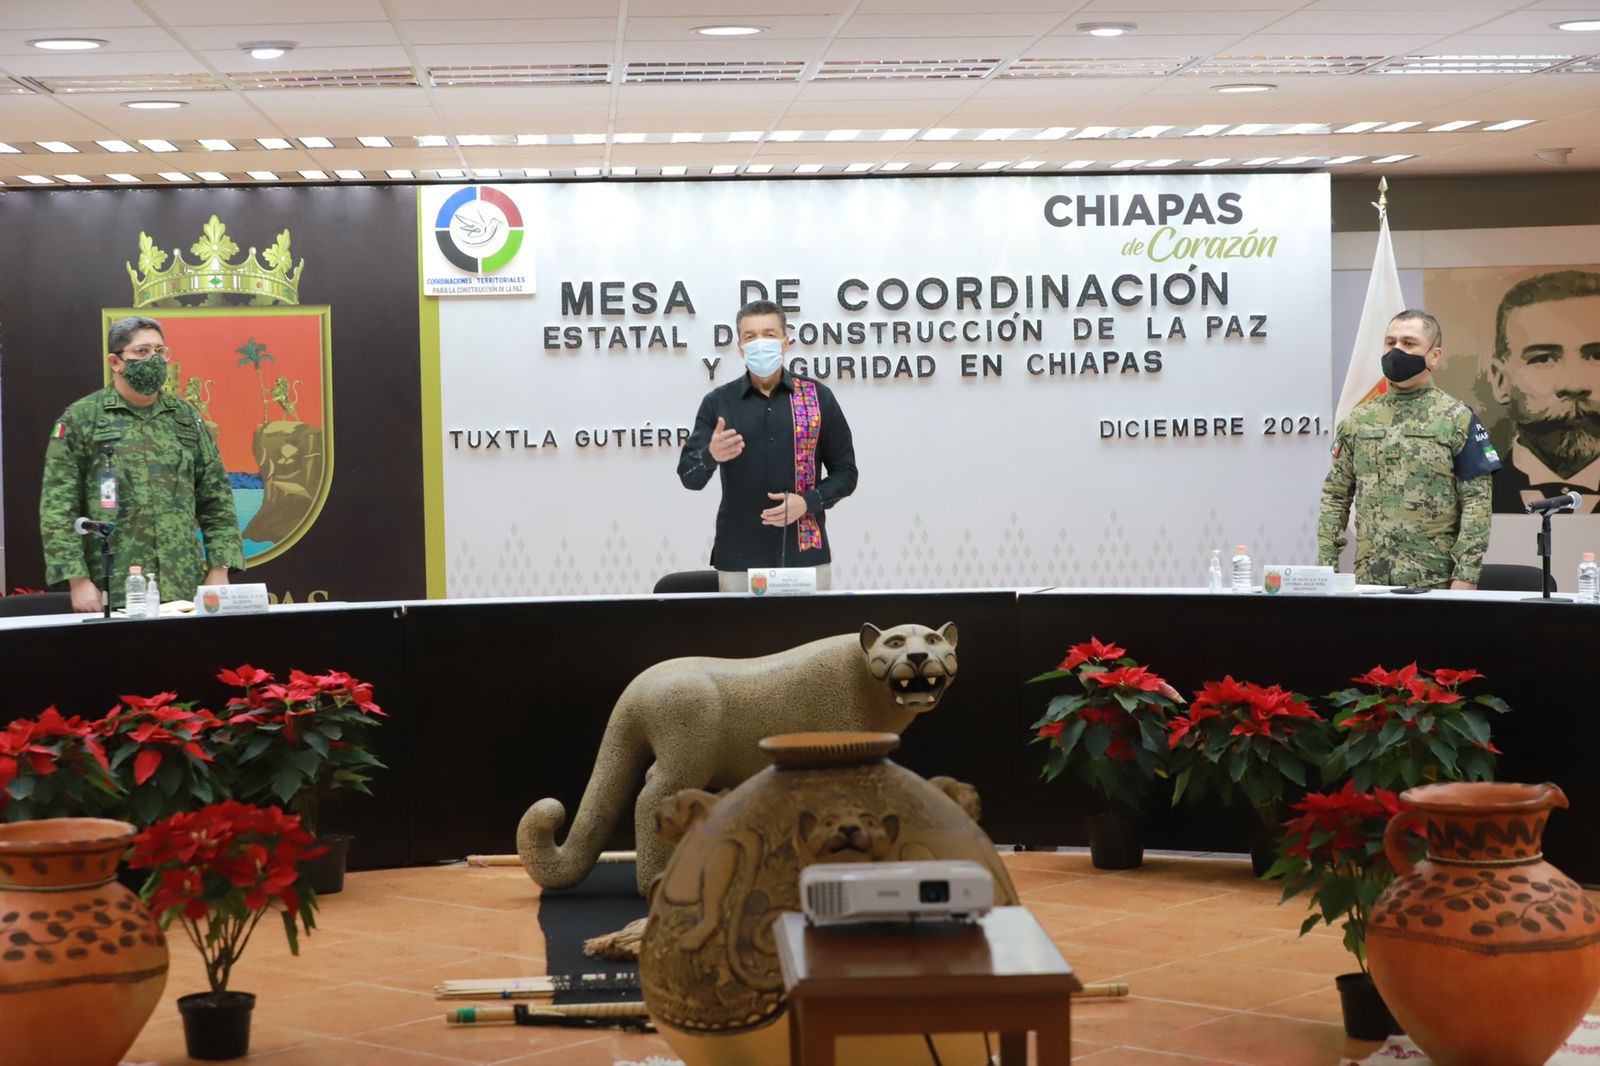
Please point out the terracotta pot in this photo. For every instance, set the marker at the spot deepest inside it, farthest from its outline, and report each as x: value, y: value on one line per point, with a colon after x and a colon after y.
x: 1486, y: 954
x: 82, y: 964
x: 708, y: 963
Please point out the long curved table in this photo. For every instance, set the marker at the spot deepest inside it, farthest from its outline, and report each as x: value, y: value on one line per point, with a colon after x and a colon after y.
x: 496, y: 703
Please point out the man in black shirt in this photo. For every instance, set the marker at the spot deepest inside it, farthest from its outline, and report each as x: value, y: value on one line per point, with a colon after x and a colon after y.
x: 770, y: 434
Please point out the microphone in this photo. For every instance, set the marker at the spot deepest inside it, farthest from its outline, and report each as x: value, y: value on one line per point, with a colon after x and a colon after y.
x: 84, y: 526
x: 1556, y: 504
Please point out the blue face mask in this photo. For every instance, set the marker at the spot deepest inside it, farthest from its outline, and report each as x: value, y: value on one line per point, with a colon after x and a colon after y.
x: 763, y: 356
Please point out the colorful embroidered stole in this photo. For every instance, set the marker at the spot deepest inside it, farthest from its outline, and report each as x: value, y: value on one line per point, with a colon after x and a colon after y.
x: 807, y: 428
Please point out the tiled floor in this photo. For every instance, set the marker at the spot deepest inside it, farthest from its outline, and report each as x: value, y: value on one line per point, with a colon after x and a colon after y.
x: 1216, y: 971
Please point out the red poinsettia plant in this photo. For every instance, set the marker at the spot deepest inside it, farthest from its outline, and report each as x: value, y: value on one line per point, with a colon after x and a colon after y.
x: 162, y: 753
x: 1238, y: 736
x: 300, y: 740
x: 1408, y: 726
x: 1113, y: 729
x: 51, y: 766
x: 1333, y: 850
x: 219, y: 870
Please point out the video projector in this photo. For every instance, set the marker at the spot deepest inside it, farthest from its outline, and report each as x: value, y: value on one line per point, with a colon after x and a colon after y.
x: 938, y: 890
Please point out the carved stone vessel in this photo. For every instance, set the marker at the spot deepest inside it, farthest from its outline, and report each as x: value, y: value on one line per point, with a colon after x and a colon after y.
x: 82, y: 963
x: 1486, y: 954
x: 708, y: 962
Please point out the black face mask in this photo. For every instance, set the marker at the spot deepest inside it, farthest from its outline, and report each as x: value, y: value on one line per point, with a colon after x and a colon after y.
x: 1402, y: 366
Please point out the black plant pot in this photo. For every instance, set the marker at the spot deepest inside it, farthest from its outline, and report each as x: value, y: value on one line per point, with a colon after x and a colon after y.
x: 1366, y: 1015
x: 1263, y: 845
x: 326, y: 871
x: 217, y: 1026
x: 1115, y: 842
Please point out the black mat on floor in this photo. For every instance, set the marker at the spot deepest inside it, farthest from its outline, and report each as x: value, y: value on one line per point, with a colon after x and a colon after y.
x: 606, y: 901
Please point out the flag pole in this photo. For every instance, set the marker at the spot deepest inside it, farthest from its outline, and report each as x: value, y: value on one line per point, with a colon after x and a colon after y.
x: 1383, y: 198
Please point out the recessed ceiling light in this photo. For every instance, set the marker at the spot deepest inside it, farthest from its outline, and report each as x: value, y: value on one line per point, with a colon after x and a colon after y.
x: 588, y: 138
x: 898, y: 134
x: 785, y: 135
x: 36, y: 179
x: 116, y: 146
x: 1217, y: 162
x: 1244, y: 87
x: 1300, y: 128
x: 744, y: 136
x: 1079, y: 164
x: 536, y: 172
x: 1091, y: 132
x: 841, y: 135
x: 1358, y: 127
x: 853, y: 168
x: 433, y: 140
x: 6, y: 149
x: 1054, y: 133
x: 1510, y: 124
x: 638, y: 138
x: 1295, y: 160
x: 374, y: 142
x: 452, y: 174
x: 626, y: 172
x: 314, y: 175
x: 994, y: 164
x: 262, y: 175
x: 686, y: 138
x: 1451, y: 127
x: 674, y: 172
x: 1396, y: 127
x: 73, y: 179
x: 1341, y: 160
x: 175, y: 175
x: 216, y: 144
x: 480, y: 172
x: 154, y: 105
x: 1126, y: 164
x: 1161, y: 163
x: 1106, y: 29
x: 808, y: 168
x: 525, y: 139
x: 1260, y: 160
x: 267, y: 49
x: 273, y: 144
x: 315, y: 142
x: 59, y: 147
x: 1150, y: 131
x: 728, y: 31
x: 892, y: 168
x: 211, y: 175
x: 402, y: 175
x: 474, y: 140
x: 1575, y: 26
x: 995, y: 134
x: 349, y: 175
x: 939, y: 133
x: 1032, y: 164
x: 69, y: 44
x: 156, y: 144
x: 764, y: 168
x: 1210, y: 129
x: 728, y: 168
x: 587, y: 172
x: 944, y: 166
x: 1246, y: 129
x: 125, y: 179
x: 1393, y: 158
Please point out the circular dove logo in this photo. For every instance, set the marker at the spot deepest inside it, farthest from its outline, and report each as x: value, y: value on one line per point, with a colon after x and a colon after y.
x: 479, y: 229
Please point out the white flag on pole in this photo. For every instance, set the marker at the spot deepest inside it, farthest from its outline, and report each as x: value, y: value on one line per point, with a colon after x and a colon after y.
x: 1364, y: 379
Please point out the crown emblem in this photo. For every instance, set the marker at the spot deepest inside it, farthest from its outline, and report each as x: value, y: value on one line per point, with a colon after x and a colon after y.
x: 215, y: 275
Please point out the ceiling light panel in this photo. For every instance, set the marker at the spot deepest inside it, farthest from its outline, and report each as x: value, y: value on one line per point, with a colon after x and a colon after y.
x: 766, y: 168
x: 1451, y: 127
x: 321, y: 175
x: 1393, y: 158
x: 489, y: 77
x: 211, y: 175
x: 216, y: 144
x: 402, y: 175
x: 713, y: 70
x: 175, y: 176
x: 1097, y: 67
x: 1510, y: 124
x: 315, y: 142
x: 356, y: 78
x: 123, y: 179
x: 130, y: 83
x: 157, y: 144
x: 899, y: 69
x: 73, y: 179
x: 1581, y: 65
x: 1454, y: 64
x: 273, y: 144
x: 262, y: 175
x: 58, y: 147
x: 116, y: 146
x: 374, y: 142
x: 1253, y: 66
x: 8, y: 149
x: 36, y: 179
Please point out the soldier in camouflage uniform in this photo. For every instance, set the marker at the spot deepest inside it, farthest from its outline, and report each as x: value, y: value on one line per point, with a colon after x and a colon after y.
x: 1414, y: 460
x: 169, y: 481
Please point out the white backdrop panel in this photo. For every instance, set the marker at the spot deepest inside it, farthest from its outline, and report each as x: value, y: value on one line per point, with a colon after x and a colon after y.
x: 966, y: 480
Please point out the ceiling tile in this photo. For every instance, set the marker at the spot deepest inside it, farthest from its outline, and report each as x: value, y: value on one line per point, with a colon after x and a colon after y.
x: 180, y: 13
x: 973, y: 26
x: 509, y: 31
x: 465, y: 10
x: 317, y: 35
x: 71, y: 17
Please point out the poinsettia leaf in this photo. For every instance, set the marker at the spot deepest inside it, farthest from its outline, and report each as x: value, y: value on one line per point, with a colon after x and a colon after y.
x: 1391, y: 732
x: 1362, y: 777
x: 1154, y: 734
x: 1310, y: 924
x: 1477, y: 726
x: 1444, y: 753
x: 285, y: 783
x: 1096, y: 739
x: 1293, y: 769
x: 1070, y: 737
x: 1238, y: 763
x: 331, y: 729
x: 308, y: 762
x: 22, y: 787
x: 1338, y: 895
x: 258, y: 744
x: 1494, y: 703
x: 1050, y: 675
x: 1129, y: 700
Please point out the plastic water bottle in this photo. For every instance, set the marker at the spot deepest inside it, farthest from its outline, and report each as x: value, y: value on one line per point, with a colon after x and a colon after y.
x: 1241, y: 569
x: 1588, y: 580
x: 133, y: 605
x: 1214, y: 571
x: 152, y: 597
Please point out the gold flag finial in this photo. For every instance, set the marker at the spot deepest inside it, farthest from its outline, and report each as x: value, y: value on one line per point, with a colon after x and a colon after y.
x: 1383, y: 198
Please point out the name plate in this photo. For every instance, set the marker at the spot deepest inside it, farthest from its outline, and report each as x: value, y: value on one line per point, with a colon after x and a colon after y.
x: 782, y: 581
x: 210, y: 600
x: 1279, y: 580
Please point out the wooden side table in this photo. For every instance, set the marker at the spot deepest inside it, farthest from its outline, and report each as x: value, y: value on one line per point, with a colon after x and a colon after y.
x: 1001, y: 974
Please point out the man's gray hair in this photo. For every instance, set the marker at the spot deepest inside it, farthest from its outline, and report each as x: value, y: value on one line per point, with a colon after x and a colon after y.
x: 123, y: 329
x: 1435, y: 331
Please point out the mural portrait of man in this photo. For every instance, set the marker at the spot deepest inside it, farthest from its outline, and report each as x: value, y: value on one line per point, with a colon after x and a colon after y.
x: 1546, y: 373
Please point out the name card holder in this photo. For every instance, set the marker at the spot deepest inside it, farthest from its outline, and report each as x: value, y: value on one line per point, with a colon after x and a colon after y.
x: 782, y: 580
x: 213, y: 600
x: 1279, y: 580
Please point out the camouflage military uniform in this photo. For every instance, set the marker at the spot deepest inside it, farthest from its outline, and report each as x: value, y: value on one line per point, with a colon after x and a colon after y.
x: 170, y: 481
x: 1414, y: 462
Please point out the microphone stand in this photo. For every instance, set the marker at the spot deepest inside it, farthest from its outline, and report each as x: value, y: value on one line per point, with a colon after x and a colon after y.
x: 107, y: 566
x: 1544, y: 554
